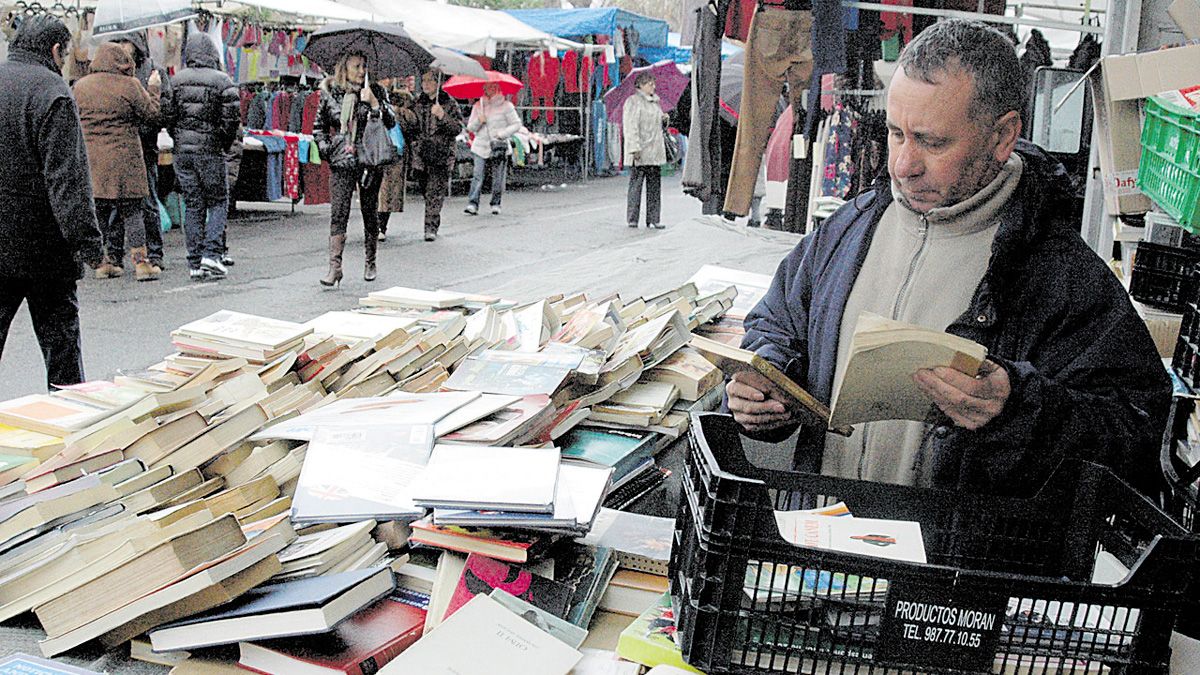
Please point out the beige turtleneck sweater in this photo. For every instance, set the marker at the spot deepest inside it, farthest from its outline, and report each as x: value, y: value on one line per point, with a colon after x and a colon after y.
x: 920, y: 269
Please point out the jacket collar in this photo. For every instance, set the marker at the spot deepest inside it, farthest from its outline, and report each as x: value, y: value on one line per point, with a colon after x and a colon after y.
x: 1037, y: 211
x: 22, y: 56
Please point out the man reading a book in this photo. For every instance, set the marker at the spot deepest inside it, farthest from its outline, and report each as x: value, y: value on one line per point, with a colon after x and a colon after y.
x: 974, y: 234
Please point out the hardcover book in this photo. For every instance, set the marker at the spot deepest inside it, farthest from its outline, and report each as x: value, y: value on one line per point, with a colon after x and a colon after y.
x: 360, y: 645
x: 358, y: 473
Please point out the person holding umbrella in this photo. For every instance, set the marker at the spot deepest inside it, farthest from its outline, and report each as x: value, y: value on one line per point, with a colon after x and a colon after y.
x: 347, y: 101
x: 438, y: 124
x: 493, y: 121
x: 645, y: 150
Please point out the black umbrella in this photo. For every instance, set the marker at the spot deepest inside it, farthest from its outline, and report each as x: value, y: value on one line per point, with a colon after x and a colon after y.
x: 389, y: 49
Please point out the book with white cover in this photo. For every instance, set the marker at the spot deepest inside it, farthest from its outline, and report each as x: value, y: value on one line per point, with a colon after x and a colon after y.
x: 484, y: 637
x: 485, y: 477
x: 244, y: 329
x: 581, y: 489
x: 357, y: 325
x: 415, y: 297
x: 485, y: 405
x: 355, y: 473
x: 391, y: 410
x: 892, y: 539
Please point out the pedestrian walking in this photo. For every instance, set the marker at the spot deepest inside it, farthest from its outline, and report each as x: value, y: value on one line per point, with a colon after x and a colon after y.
x: 135, y: 45
x: 493, y: 121
x: 393, y: 188
x: 47, y: 219
x: 645, y: 151
x: 439, y: 121
x: 204, y: 123
x: 346, y: 102
x: 113, y: 106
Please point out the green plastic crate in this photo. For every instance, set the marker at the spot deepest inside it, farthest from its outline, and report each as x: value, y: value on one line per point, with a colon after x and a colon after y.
x: 1170, y: 169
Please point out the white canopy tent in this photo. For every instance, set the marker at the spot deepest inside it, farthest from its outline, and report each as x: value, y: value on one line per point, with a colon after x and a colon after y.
x: 465, y: 29
x: 316, y: 9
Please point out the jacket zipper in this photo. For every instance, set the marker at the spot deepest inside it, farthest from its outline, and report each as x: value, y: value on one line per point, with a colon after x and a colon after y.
x: 912, y: 268
x: 908, y: 277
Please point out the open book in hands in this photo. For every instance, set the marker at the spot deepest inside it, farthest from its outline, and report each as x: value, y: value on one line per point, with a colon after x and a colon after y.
x: 733, y: 360
x: 877, y: 383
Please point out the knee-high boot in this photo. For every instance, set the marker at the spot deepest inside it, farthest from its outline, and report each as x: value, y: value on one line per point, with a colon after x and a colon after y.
x: 370, y: 244
x: 337, y: 243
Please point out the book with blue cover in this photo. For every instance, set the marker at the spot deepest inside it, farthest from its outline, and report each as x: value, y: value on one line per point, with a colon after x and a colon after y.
x: 623, y: 451
x: 24, y: 664
x: 303, y: 607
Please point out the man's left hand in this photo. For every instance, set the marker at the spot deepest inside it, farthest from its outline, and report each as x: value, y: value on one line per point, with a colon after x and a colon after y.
x: 970, y: 402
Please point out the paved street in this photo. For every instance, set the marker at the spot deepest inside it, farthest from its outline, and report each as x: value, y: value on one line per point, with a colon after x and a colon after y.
x: 564, y: 239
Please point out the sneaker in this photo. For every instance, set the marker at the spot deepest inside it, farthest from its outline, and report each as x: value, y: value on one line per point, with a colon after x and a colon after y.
x: 213, y: 266
x: 495, y: 210
x: 471, y: 210
x: 382, y: 235
x: 226, y: 261
x: 198, y: 274
x: 657, y: 226
x: 633, y: 225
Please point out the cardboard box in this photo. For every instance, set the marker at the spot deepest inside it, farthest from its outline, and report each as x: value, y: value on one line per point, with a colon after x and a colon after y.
x: 1186, y: 15
x: 1117, y: 87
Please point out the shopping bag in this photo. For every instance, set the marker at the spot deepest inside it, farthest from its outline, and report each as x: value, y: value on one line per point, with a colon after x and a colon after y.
x: 397, y: 137
x: 375, y: 147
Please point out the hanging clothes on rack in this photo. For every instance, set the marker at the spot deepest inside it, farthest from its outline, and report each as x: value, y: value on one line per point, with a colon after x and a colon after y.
x: 542, y: 76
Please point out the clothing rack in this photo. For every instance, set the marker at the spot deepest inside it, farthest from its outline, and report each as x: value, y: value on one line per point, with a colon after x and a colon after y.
x: 585, y: 100
x: 975, y: 16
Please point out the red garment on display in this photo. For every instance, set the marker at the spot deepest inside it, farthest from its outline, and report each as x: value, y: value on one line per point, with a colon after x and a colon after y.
x: 737, y: 20
x: 246, y: 97
x: 542, y: 75
x: 291, y: 165
x: 897, y: 22
x: 309, y: 118
x: 570, y: 72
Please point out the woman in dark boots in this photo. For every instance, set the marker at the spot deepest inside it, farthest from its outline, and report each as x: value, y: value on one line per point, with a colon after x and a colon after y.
x: 345, y: 105
x: 439, y: 122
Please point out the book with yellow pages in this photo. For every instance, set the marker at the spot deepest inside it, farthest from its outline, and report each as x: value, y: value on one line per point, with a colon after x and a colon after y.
x: 877, y: 383
x: 733, y: 360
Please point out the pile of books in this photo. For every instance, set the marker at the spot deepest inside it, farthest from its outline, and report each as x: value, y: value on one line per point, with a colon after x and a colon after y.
x: 331, y: 492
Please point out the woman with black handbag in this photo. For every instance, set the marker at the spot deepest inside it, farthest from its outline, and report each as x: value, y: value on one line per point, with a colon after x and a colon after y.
x: 493, y: 121
x: 350, y: 112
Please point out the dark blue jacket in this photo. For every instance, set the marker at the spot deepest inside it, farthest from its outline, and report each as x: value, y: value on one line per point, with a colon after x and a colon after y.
x: 1086, y: 377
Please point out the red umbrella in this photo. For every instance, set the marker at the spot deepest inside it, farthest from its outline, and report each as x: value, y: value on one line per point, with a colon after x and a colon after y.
x: 466, y: 86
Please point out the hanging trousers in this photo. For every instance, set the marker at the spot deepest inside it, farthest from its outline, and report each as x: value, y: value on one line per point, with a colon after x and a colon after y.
x: 777, y: 52
x: 121, y: 224
x: 54, y: 309
x: 652, y: 177
x: 702, y: 166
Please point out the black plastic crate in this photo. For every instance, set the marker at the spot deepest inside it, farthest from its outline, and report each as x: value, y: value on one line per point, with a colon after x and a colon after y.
x: 1163, y: 276
x: 1021, y: 567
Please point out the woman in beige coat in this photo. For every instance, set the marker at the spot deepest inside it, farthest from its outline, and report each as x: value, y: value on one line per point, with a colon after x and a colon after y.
x: 112, y: 107
x: 645, y: 151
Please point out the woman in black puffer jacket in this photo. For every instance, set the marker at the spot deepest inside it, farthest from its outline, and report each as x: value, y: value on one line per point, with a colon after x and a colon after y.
x: 345, y: 105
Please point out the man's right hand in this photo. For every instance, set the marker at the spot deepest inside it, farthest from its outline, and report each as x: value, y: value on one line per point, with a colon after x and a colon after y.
x: 756, y: 404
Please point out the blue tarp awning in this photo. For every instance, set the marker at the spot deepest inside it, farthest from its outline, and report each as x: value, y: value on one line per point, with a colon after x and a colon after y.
x: 679, y: 54
x: 594, y: 21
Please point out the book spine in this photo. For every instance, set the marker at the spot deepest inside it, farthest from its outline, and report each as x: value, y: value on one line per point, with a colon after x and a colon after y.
x: 373, y: 663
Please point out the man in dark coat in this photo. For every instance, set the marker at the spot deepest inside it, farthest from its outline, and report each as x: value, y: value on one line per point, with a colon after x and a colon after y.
x: 204, y: 122
x: 438, y: 123
x: 135, y: 45
x: 47, y: 218
x: 976, y: 237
